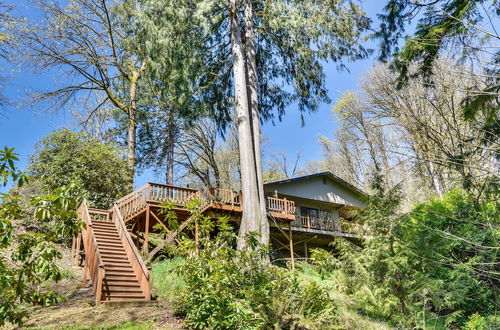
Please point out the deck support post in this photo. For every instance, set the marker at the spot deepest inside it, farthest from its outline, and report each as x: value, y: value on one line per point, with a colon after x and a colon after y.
x: 291, y: 245
x: 305, y: 250
x: 145, y: 247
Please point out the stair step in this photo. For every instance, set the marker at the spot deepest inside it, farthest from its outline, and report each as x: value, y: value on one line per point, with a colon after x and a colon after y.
x: 121, y: 264
x: 121, y: 283
x: 119, y: 270
x: 105, y: 239
x: 112, y: 249
x: 114, y: 257
x: 105, y: 231
x: 120, y: 277
x: 103, y: 226
x: 103, y: 223
x: 123, y: 298
x: 123, y: 295
x: 117, y: 244
x: 112, y: 253
x: 114, y: 290
x: 106, y: 235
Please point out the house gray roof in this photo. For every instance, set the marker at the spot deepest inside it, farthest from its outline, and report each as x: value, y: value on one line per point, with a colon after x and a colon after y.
x: 328, y: 174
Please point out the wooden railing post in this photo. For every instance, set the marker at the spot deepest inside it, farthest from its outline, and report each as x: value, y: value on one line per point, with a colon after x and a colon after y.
x: 100, y: 278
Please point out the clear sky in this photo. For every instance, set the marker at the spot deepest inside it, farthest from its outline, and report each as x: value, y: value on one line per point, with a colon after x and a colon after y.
x: 22, y: 126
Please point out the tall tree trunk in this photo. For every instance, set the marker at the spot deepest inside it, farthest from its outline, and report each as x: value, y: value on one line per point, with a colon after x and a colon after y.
x: 132, y: 128
x: 253, y: 103
x: 171, y: 139
x: 250, y: 221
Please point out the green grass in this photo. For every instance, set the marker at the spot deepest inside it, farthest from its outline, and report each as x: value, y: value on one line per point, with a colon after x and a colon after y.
x: 166, y: 282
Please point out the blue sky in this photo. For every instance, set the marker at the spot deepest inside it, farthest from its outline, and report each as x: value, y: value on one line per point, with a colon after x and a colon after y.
x: 22, y: 126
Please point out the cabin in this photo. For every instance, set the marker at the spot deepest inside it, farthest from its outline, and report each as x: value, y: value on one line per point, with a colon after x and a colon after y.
x: 321, y: 200
x: 303, y: 213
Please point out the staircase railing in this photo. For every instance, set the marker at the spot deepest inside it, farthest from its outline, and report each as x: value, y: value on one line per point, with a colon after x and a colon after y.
x: 142, y: 273
x: 133, y: 202
x: 93, y: 261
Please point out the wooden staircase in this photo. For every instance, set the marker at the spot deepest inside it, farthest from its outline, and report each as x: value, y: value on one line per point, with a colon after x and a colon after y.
x: 112, y: 262
x: 119, y: 282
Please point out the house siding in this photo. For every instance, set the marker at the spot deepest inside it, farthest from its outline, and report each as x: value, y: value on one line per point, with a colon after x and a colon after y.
x: 321, y: 189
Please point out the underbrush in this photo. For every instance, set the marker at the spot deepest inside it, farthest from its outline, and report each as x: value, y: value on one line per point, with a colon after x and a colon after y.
x: 212, y: 285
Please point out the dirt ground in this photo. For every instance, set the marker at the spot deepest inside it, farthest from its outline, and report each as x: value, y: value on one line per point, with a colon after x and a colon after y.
x: 76, y: 310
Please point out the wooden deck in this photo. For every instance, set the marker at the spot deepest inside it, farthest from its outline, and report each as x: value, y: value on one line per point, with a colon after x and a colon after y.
x: 211, y: 199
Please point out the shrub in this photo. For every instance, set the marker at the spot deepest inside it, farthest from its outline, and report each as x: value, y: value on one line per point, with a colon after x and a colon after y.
x: 237, y: 289
x: 65, y: 156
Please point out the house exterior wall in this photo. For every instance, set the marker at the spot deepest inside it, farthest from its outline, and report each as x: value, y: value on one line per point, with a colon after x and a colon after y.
x: 321, y: 189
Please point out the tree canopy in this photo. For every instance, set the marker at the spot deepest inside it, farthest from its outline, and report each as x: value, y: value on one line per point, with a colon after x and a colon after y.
x: 64, y: 157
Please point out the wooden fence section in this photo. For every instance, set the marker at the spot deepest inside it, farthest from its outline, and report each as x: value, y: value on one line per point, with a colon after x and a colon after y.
x: 142, y: 273
x: 94, y: 265
x: 316, y: 223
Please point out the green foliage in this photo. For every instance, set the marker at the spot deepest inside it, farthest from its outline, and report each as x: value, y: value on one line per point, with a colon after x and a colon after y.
x: 8, y: 170
x: 226, y: 288
x: 437, y: 262
x: 64, y: 156
x: 27, y: 259
x: 475, y: 322
x: 323, y: 260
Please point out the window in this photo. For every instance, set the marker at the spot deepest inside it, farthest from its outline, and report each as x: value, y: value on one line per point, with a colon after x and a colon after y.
x: 309, y: 212
x: 324, y: 181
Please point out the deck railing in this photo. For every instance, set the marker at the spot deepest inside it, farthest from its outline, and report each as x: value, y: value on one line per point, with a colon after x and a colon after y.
x: 280, y: 205
x: 211, y: 195
x: 137, y: 200
x: 164, y: 192
x: 317, y: 223
x: 93, y: 261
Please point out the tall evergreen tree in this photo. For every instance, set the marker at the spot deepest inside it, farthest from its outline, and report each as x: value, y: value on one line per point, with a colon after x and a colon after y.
x: 276, y: 61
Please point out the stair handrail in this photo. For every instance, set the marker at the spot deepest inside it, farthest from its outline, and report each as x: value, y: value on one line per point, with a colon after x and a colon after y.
x: 93, y: 260
x: 119, y: 201
x: 142, y: 273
